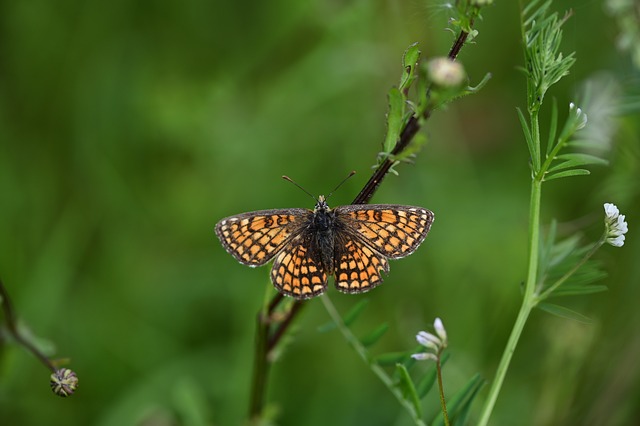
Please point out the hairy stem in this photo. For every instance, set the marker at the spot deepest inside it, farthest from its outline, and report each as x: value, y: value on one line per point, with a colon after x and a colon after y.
x: 443, y: 401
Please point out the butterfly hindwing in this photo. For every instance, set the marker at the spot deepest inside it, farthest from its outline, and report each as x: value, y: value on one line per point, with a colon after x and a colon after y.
x: 357, y: 266
x: 297, y: 270
x: 393, y: 230
x: 254, y: 238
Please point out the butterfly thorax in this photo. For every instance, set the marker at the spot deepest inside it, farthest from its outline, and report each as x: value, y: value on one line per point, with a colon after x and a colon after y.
x: 323, y: 228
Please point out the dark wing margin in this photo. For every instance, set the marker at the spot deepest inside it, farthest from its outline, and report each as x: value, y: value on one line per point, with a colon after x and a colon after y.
x: 297, y: 271
x: 393, y: 230
x: 254, y: 238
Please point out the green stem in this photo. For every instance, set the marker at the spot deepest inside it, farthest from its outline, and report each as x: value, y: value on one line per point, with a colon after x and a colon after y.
x: 260, y: 367
x: 528, y: 301
x: 443, y: 402
x: 364, y: 354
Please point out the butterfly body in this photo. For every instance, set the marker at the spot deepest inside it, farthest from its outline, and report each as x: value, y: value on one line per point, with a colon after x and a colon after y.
x: 352, y: 242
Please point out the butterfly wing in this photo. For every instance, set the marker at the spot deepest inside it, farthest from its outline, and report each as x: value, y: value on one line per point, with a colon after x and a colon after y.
x: 394, y: 231
x: 297, y: 269
x: 254, y: 238
x: 372, y: 234
x: 357, y: 266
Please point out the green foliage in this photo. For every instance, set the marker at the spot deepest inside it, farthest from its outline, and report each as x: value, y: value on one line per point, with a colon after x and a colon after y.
x: 460, y: 403
x: 545, y: 65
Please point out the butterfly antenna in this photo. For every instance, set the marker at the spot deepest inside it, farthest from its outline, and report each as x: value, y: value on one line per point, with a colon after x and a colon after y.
x: 353, y: 172
x: 287, y: 178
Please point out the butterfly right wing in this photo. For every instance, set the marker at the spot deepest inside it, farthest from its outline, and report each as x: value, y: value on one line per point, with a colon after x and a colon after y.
x: 254, y: 238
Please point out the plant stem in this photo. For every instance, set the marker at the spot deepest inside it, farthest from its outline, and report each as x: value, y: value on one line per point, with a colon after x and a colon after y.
x: 260, y: 367
x: 528, y: 302
x: 12, y: 325
x: 364, y: 354
x: 443, y: 402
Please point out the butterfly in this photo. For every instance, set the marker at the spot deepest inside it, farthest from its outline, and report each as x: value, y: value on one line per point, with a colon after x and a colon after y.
x: 353, y: 243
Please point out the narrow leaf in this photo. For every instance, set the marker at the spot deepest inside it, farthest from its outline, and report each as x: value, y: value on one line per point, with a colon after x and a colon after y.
x: 460, y: 417
x: 394, y: 119
x: 568, y: 173
x: 391, y: 358
x: 349, y: 317
x: 577, y: 290
x: 371, y: 338
x: 553, y: 128
x: 355, y: 312
x: 405, y: 384
x: 533, y: 152
x: 583, y: 158
x: 564, y: 312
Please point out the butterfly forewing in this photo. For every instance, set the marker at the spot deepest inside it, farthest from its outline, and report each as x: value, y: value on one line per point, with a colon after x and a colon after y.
x: 393, y: 230
x: 254, y: 238
x: 357, y: 266
x: 297, y: 269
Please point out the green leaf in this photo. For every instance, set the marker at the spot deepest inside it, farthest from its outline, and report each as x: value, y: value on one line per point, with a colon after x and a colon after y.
x: 578, y: 290
x: 546, y: 247
x: 391, y: 358
x: 395, y: 119
x: 567, y: 173
x: 564, y: 312
x: 553, y: 127
x: 562, y: 249
x: 580, y: 159
x: 349, y: 317
x: 409, y: 62
x: 461, y: 400
x: 405, y: 384
x: 371, y: 338
x: 533, y: 152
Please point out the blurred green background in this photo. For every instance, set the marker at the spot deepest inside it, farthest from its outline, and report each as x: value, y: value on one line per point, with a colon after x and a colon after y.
x: 128, y: 129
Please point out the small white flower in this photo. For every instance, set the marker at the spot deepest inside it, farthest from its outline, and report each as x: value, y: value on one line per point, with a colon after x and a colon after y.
x: 424, y: 355
x: 580, y: 116
x: 442, y: 333
x: 432, y: 342
x: 615, y: 224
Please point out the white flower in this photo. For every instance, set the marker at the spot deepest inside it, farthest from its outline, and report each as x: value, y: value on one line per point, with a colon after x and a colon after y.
x: 615, y: 225
x: 581, y: 117
x: 433, y: 342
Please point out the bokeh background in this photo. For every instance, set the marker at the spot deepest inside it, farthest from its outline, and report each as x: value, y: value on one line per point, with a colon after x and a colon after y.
x: 129, y: 128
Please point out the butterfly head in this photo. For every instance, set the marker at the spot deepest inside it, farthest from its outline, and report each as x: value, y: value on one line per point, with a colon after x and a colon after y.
x: 321, y: 205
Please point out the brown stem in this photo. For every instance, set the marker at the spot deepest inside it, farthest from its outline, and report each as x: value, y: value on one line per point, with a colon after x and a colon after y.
x: 12, y: 326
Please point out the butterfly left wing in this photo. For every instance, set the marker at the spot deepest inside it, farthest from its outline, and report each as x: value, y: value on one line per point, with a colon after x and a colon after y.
x: 394, y: 231
x: 254, y: 238
x: 297, y: 270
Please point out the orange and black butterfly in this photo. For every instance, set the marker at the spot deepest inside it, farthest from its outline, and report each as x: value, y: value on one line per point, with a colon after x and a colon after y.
x: 352, y: 242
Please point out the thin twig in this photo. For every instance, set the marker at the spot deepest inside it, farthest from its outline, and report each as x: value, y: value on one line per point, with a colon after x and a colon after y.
x: 12, y: 326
